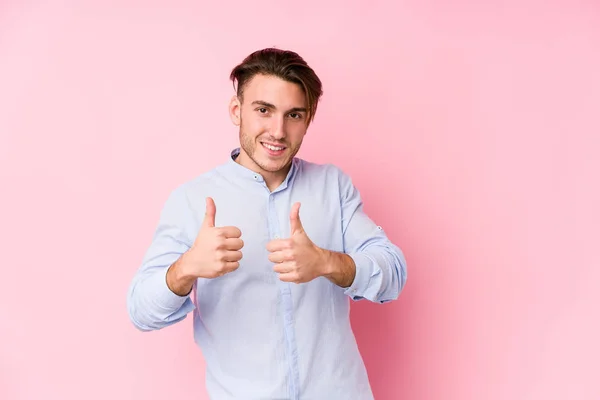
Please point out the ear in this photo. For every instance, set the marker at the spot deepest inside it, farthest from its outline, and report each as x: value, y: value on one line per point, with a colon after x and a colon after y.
x: 235, y: 108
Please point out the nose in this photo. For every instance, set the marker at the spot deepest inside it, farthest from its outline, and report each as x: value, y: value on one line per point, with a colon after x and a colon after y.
x: 278, y: 127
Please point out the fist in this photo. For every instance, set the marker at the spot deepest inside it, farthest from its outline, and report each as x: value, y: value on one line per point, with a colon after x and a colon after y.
x: 216, y: 250
x: 296, y: 259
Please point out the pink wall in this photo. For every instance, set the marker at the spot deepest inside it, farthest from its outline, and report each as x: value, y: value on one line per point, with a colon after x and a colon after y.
x: 472, y: 131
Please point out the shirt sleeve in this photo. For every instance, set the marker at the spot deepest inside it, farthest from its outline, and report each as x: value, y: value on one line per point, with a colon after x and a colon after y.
x: 380, y: 265
x: 151, y: 304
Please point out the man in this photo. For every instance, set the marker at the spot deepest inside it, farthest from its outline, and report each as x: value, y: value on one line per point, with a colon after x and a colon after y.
x: 266, y: 250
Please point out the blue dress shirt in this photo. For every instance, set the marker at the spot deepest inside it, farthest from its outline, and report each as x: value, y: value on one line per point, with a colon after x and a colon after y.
x: 263, y: 338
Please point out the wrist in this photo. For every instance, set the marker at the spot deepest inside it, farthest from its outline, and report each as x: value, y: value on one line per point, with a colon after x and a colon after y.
x: 183, y: 268
x: 179, y: 280
x: 325, y: 262
x: 339, y: 268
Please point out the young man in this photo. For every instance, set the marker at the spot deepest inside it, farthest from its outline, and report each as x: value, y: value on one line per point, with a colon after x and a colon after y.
x: 266, y: 250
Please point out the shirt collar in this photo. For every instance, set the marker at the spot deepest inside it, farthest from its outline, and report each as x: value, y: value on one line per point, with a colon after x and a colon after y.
x: 247, y: 174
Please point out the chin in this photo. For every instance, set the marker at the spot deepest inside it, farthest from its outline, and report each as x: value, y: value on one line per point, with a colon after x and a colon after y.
x: 273, y: 167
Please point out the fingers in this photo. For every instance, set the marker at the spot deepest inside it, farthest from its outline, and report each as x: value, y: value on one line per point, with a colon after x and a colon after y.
x: 291, y: 277
x: 295, y: 224
x: 281, y: 256
x: 209, y: 215
x: 283, y: 268
x: 232, y: 265
x: 209, y: 221
x: 233, y: 244
x: 230, y: 231
x: 232, y: 256
x: 227, y: 261
x: 279, y: 244
x: 225, y: 268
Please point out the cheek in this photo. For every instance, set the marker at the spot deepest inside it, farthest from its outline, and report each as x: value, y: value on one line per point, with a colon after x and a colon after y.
x: 296, y: 134
x: 254, y: 126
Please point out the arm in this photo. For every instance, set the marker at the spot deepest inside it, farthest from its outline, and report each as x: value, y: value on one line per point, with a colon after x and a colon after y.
x: 150, y: 303
x: 339, y: 268
x: 371, y: 267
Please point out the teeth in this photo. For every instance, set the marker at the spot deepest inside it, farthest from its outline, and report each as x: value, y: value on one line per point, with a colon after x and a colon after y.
x: 268, y: 146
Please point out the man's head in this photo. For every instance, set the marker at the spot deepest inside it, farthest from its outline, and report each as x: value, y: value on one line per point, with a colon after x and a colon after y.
x: 276, y: 99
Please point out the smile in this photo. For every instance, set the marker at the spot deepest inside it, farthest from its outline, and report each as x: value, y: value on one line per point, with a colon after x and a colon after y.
x: 273, y: 148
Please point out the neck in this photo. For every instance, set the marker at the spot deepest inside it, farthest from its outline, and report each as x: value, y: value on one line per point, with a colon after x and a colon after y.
x: 272, y: 179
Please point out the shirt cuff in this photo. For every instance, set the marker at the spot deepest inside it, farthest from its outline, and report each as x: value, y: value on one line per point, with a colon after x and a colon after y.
x: 362, y: 276
x: 163, y: 296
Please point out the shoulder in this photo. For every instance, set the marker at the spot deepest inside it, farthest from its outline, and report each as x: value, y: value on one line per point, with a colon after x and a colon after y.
x: 193, y: 191
x: 331, y: 176
x: 328, y: 173
x: 326, y: 170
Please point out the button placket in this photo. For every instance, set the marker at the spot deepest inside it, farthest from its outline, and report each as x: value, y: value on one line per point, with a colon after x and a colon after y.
x: 272, y: 210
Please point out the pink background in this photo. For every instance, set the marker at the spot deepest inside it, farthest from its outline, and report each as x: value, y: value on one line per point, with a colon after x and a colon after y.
x: 472, y: 131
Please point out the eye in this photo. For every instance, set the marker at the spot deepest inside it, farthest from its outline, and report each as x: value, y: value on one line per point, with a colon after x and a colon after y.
x: 296, y: 115
x: 262, y: 110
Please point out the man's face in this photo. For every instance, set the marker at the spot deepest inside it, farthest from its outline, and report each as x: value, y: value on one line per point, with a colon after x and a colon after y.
x: 272, y: 121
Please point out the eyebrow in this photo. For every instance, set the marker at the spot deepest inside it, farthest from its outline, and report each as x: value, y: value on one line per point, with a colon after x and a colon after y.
x: 269, y: 105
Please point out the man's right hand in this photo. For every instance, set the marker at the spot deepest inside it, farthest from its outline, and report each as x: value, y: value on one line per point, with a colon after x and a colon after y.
x: 215, y: 252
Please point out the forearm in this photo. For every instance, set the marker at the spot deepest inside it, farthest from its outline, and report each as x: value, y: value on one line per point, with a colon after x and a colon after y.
x: 178, y: 280
x: 380, y: 273
x: 152, y: 304
x: 380, y: 266
x: 339, y: 268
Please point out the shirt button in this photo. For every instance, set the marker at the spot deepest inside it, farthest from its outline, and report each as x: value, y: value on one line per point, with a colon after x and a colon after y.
x: 276, y: 236
x: 255, y: 177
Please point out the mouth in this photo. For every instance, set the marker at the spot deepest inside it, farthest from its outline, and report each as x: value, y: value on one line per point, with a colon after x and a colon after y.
x: 273, y: 149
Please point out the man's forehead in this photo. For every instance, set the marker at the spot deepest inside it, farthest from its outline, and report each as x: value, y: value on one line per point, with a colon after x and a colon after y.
x: 275, y: 97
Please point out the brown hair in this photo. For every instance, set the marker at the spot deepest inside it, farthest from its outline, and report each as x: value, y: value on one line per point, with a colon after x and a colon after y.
x: 284, y: 64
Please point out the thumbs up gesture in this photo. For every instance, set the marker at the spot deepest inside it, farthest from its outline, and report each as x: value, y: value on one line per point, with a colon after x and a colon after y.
x: 296, y: 259
x: 216, y: 250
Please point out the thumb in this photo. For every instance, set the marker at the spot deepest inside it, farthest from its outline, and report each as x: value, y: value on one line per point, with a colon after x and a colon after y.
x: 295, y: 224
x: 209, y: 215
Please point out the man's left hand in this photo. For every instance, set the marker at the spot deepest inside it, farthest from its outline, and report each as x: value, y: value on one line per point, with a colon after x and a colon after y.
x: 296, y: 259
